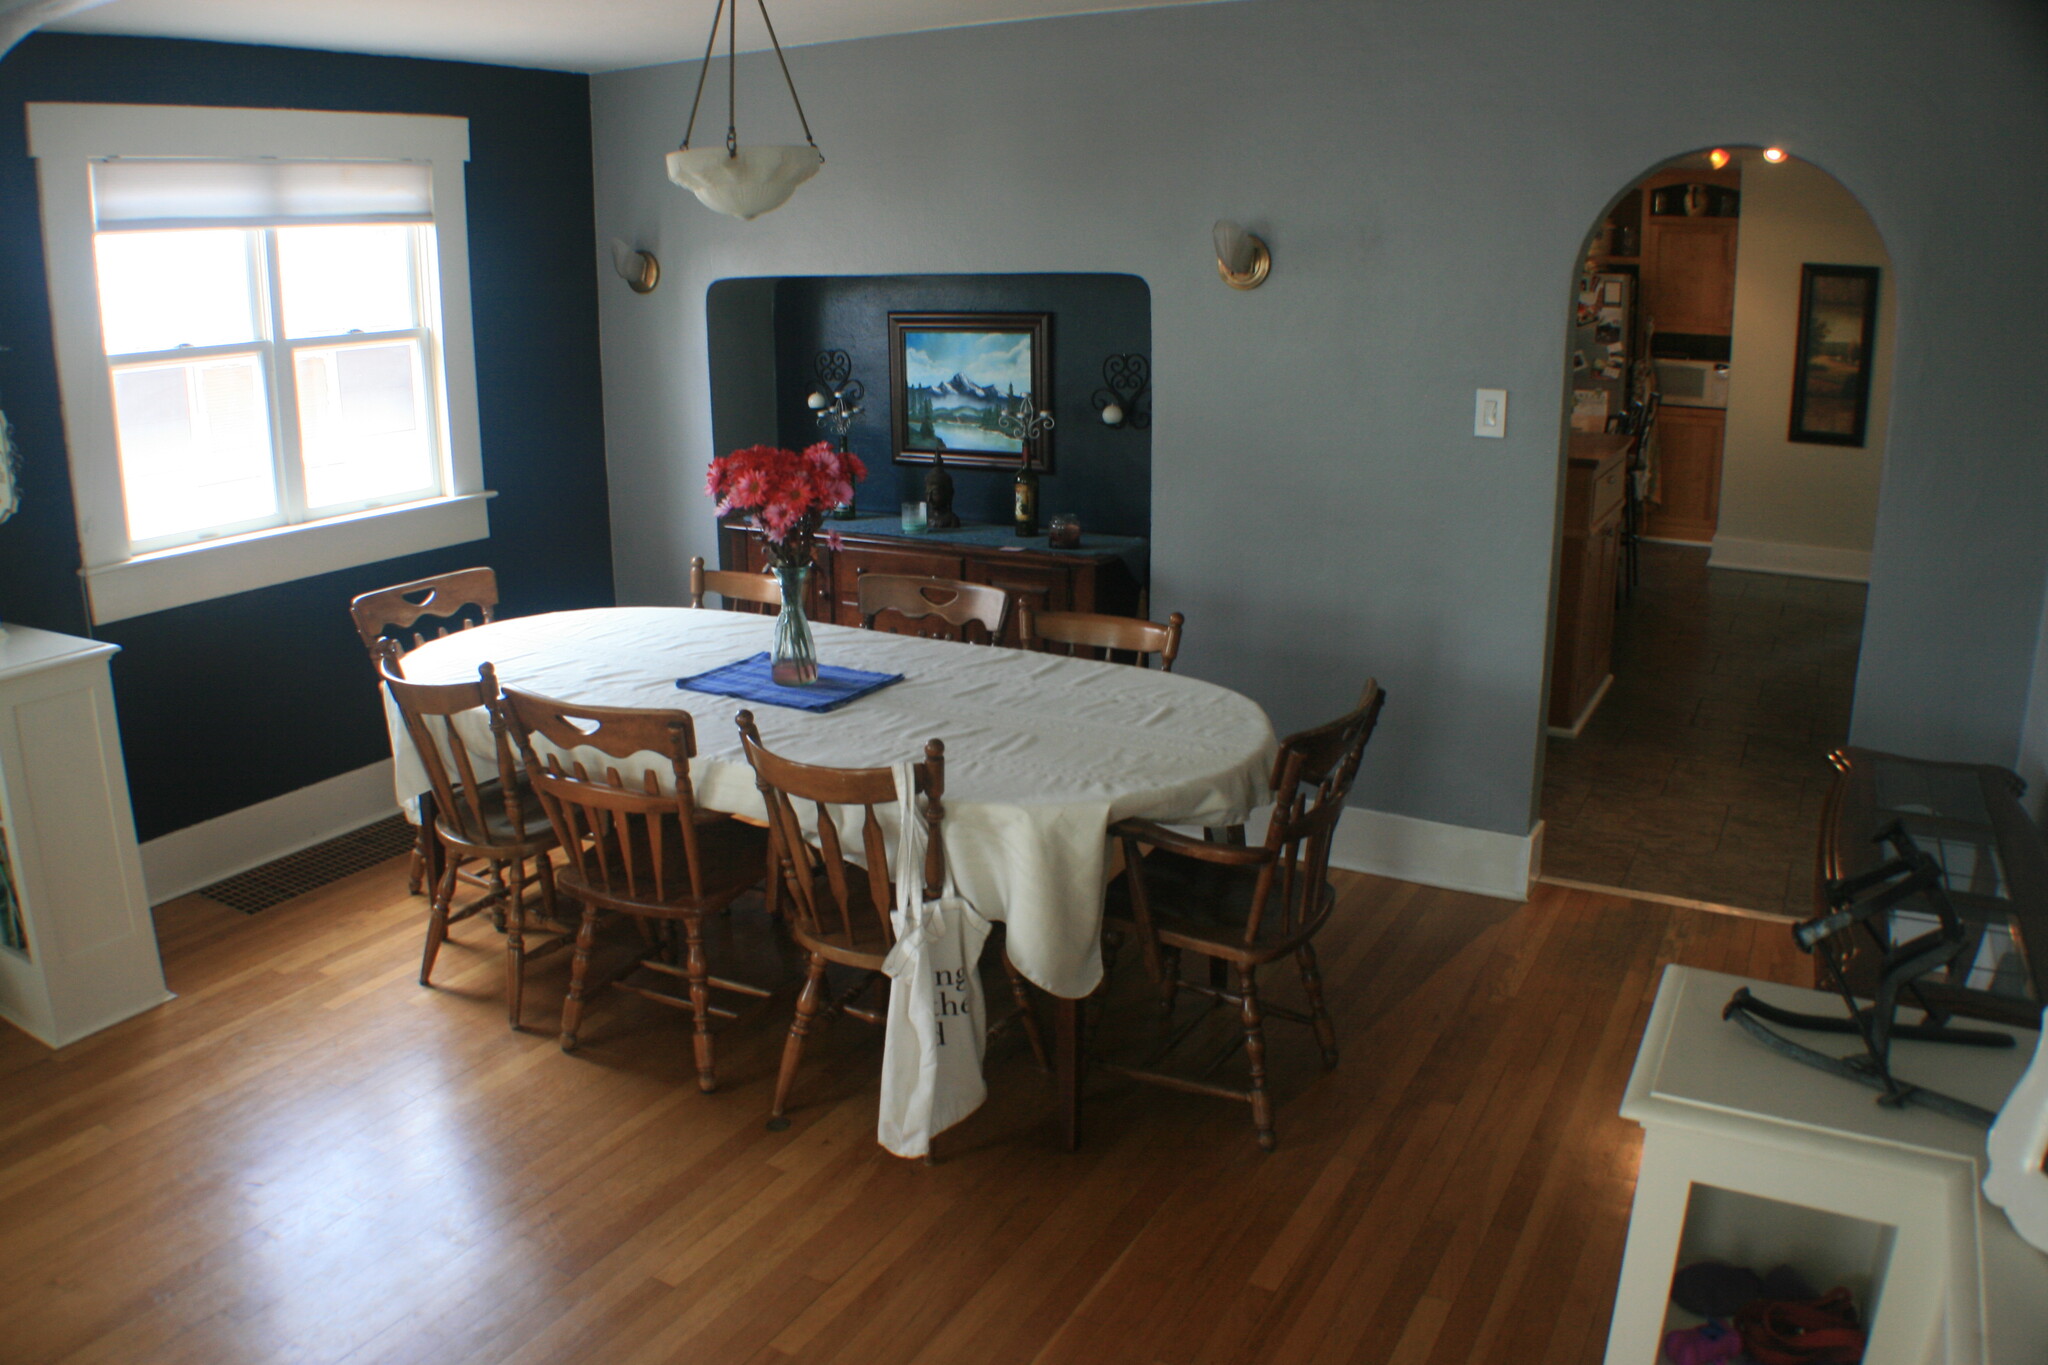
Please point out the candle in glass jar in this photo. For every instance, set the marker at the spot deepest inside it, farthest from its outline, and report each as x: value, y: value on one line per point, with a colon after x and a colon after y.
x: 1066, y: 531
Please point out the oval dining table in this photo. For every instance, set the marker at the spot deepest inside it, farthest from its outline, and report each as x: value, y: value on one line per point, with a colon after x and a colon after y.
x: 1043, y: 753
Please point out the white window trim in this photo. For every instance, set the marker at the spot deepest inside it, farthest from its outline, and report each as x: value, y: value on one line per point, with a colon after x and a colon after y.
x: 65, y: 139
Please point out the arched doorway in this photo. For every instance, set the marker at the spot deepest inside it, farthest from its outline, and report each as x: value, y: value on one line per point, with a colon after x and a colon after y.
x: 1690, y: 762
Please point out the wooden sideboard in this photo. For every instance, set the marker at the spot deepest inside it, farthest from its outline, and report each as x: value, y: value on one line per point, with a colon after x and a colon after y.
x: 1584, y: 645
x: 1098, y: 577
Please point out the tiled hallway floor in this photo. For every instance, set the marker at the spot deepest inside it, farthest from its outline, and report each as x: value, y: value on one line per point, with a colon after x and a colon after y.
x: 1702, y: 773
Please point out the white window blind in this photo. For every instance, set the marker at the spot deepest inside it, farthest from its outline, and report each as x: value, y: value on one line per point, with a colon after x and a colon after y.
x: 134, y: 194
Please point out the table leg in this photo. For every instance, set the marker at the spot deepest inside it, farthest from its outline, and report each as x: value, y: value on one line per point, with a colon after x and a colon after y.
x: 1067, y: 1067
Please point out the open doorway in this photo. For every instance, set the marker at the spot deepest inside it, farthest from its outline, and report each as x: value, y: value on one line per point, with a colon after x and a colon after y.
x: 1724, y: 470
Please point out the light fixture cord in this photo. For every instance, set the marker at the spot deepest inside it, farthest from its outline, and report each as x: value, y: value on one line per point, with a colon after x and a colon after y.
x: 786, y: 79
x: 703, y: 70
x: 732, y: 81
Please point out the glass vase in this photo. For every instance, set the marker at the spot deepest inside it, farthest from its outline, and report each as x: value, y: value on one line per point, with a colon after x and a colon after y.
x: 794, y: 660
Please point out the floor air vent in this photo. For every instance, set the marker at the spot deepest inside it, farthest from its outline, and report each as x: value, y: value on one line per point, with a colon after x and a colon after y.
x: 309, y: 869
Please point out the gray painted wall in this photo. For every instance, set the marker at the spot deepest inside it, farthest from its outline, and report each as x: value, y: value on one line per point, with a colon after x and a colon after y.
x: 1426, y: 174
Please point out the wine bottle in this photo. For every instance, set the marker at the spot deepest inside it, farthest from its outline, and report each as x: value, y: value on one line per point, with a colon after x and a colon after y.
x: 1027, y: 501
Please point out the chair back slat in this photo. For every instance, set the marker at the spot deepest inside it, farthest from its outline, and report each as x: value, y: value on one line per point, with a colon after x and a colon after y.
x: 430, y: 712
x: 940, y: 607
x: 1088, y: 635
x: 620, y: 838
x: 1312, y: 777
x: 751, y: 589
x: 406, y: 612
x: 856, y: 793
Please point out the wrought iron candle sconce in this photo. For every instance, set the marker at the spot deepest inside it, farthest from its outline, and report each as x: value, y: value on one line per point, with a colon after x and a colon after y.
x: 837, y: 397
x: 1125, y: 381
x: 1024, y: 422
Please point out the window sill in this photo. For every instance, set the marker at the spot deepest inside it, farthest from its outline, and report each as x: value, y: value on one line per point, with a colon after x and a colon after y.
x: 220, y: 568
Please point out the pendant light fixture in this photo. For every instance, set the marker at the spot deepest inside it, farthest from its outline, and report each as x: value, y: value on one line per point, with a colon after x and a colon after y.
x: 745, y: 182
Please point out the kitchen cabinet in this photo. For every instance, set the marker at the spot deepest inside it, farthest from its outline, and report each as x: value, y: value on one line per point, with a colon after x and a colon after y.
x: 1104, y: 575
x: 1689, y: 275
x: 1687, y: 496
x: 1582, y: 652
x: 1688, y: 261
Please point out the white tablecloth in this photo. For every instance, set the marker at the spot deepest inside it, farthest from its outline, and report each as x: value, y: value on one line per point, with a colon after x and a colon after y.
x: 1042, y: 752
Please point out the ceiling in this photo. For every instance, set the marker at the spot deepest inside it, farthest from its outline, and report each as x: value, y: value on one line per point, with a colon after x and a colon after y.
x: 561, y: 35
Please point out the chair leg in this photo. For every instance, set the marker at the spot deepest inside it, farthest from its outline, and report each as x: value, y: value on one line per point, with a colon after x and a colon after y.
x: 1255, y: 1053
x: 1169, y: 979
x: 1020, y: 995
x: 515, y: 943
x: 699, y: 976
x: 437, y: 915
x: 1319, y: 1014
x: 572, y: 1008
x: 807, y: 1006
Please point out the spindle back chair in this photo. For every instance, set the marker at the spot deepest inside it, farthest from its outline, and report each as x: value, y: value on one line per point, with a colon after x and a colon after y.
x: 944, y: 608
x: 1088, y: 635
x: 753, y: 589
x: 839, y: 909
x: 643, y: 849
x: 477, y: 813
x: 1245, y: 907
x: 397, y: 612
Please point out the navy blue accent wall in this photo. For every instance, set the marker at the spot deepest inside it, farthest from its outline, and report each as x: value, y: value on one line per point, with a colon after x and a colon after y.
x: 1102, y: 475
x: 230, y: 702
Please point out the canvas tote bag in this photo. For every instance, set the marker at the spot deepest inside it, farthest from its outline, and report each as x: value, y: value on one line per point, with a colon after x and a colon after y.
x: 931, y: 1052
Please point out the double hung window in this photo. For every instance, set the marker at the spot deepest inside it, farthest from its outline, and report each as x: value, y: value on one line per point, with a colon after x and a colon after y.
x: 263, y: 342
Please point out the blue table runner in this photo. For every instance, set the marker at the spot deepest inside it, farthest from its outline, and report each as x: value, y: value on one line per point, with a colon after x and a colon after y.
x: 749, y: 680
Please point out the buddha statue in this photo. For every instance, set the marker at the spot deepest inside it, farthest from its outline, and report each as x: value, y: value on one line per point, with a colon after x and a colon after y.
x: 938, y: 496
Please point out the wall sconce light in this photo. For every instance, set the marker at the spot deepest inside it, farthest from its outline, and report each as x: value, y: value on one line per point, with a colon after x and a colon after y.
x: 1241, y: 258
x: 637, y: 268
x: 1774, y: 155
x: 1124, y: 381
x: 1718, y: 158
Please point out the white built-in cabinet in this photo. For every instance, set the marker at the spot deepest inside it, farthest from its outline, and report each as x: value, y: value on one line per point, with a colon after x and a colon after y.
x: 77, y: 945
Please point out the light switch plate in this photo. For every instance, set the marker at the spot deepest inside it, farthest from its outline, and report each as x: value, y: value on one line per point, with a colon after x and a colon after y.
x: 1490, y: 413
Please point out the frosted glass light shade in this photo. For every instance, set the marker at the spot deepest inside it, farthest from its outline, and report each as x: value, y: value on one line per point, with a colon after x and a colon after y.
x: 746, y: 183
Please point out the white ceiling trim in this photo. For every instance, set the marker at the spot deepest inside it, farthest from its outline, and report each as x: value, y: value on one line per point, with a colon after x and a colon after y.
x: 557, y: 35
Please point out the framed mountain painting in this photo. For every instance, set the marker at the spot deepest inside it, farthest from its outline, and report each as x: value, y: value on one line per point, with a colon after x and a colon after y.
x: 957, y: 380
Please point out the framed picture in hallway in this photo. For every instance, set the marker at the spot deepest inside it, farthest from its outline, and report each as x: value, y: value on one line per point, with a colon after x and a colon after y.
x: 955, y: 377
x: 1836, y: 349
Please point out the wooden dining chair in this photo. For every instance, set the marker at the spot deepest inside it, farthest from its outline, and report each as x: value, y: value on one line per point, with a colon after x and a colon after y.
x: 838, y: 907
x: 642, y: 849
x: 942, y: 608
x: 753, y: 589
x: 398, y: 612
x: 395, y: 613
x: 1088, y: 635
x: 1245, y: 907
x: 477, y: 816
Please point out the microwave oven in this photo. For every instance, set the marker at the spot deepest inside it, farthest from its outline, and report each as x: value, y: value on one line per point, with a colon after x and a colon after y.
x: 1692, y: 383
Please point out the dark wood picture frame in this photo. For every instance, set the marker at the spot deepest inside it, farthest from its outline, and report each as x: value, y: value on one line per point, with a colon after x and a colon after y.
x: 912, y: 440
x: 1836, y: 354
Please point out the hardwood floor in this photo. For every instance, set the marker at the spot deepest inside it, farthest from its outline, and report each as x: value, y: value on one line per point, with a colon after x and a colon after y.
x: 1702, y: 774
x: 308, y: 1158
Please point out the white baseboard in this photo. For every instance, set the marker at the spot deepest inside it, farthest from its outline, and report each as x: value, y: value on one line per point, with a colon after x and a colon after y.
x: 1453, y: 857
x: 1577, y: 727
x: 1797, y: 561
x: 202, y: 854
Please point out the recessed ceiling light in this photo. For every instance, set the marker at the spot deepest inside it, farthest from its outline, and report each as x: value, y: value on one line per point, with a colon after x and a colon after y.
x: 1774, y: 154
